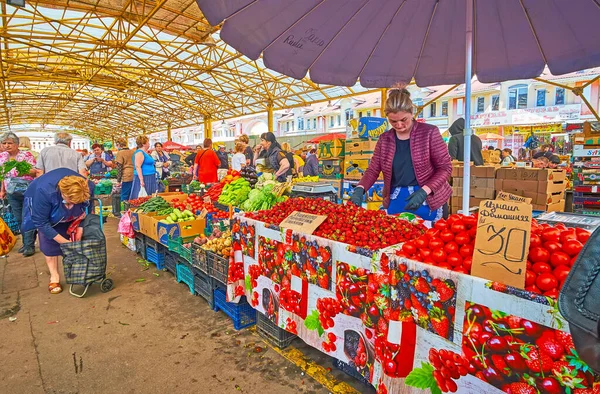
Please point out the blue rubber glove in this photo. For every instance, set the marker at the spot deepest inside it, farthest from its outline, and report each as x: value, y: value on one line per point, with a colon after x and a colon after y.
x: 415, y: 200
x: 357, y: 196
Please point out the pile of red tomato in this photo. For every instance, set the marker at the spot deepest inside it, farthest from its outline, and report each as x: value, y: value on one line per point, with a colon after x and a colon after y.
x: 552, y: 251
x: 449, y: 244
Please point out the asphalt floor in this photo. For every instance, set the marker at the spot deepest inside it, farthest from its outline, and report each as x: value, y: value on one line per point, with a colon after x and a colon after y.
x: 149, y: 334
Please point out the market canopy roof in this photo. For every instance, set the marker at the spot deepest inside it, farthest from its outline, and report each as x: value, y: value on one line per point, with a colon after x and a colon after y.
x: 115, y: 67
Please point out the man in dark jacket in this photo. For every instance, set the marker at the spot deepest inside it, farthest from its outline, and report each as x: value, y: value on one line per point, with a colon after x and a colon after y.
x: 222, y: 155
x: 456, y: 146
x: 192, y: 158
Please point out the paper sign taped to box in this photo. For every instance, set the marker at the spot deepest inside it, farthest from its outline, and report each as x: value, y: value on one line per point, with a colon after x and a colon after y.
x: 303, y: 222
x: 504, y: 196
x: 502, y: 242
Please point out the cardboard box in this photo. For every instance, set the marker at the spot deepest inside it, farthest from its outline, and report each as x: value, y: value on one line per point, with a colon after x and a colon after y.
x: 485, y: 193
x: 541, y: 174
x: 456, y: 202
x: 476, y: 183
x: 171, y: 196
x: 514, y: 186
x: 554, y: 207
x: 148, y: 224
x: 331, y: 149
x: 331, y: 168
x: 476, y: 171
x: 135, y: 221
x: 372, y: 127
x: 375, y: 193
x: 507, y: 173
x: 176, y: 230
x: 545, y: 198
x: 360, y: 147
x: 491, y: 156
x: 355, y: 167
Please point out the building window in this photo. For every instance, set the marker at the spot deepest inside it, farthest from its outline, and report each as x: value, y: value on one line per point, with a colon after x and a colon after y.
x: 460, y: 107
x: 301, y: 124
x: 559, y: 98
x: 339, y: 120
x: 315, y: 123
x: 419, y: 104
x: 444, y: 108
x: 587, y: 93
x: 541, y: 98
x: 433, y: 110
x: 517, y: 97
x: 368, y: 113
x: 359, y: 114
x: 495, y: 102
x: 331, y: 121
x: 349, y: 114
x: 480, y: 104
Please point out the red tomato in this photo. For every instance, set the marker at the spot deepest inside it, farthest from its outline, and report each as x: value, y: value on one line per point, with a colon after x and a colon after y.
x: 436, y: 243
x: 573, y: 260
x: 533, y: 289
x: 567, y: 234
x: 582, y: 235
x: 530, y: 278
x: 572, y: 247
x: 561, y: 272
x: 462, y: 238
x: 552, y: 293
x: 467, y: 262
x: 409, y: 248
x: 541, y: 268
x: 550, y: 234
x: 470, y: 221
x: 421, y: 242
x: 472, y: 232
x: 455, y: 260
x: 447, y: 236
x: 424, y: 253
x: 432, y: 232
x: 552, y: 246
x: 466, y: 250
x: 546, y: 282
x: 535, y: 240
x: 539, y: 255
x: 451, y: 247
x: 441, y: 225
x: 559, y: 258
x: 560, y: 226
x: 458, y: 227
x: 438, y: 255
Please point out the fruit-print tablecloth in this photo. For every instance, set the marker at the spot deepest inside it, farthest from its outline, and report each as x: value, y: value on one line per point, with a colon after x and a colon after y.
x: 402, y: 324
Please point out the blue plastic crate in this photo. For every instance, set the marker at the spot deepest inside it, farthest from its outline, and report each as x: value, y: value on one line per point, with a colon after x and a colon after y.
x: 242, y: 314
x: 184, y: 274
x: 203, y: 286
x: 158, y: 258
x: 351, y: 371
x: 171, y: 260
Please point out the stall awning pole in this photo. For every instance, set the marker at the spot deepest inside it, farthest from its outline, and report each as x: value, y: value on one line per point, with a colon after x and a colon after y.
x: 383, y: 100
x: 468, y: 132
x: 208, y: 127
x: 270, y: 117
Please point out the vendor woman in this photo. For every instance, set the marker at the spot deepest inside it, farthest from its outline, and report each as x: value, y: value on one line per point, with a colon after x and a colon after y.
x: 52, y: 203
x: 415, y: 163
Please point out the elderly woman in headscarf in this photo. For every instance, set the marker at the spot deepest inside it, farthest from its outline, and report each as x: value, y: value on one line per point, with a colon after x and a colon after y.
x: 275, y: 156
x: 10, y: 143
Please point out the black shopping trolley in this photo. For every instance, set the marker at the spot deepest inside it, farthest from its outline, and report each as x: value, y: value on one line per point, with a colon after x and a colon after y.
x: 84, y: 261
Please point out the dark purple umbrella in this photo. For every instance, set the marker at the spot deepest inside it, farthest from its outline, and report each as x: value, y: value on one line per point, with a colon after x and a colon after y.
x: 435, y: 42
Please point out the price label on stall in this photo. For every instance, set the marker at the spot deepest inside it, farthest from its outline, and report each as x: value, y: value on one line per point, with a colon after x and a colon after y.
x: 207, y: 200
x: 502, y: 242
x: 504, y: 196
x: 302, y: 222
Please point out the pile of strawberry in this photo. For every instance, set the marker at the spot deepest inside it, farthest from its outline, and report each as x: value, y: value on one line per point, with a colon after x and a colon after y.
x: 552, y: 252
x: 449, y: 244
x: 346, y: 223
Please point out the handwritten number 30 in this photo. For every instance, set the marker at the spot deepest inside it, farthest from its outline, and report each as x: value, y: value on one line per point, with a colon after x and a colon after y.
x: 515, y: 236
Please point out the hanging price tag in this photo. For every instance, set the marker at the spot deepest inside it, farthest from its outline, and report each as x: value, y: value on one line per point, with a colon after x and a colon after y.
x: 502, y: 242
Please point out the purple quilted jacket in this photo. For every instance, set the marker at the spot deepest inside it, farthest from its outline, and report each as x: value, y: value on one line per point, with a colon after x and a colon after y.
x: 431, y: 161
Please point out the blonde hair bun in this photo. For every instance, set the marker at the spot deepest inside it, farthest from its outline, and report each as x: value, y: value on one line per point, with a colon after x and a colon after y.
x: 399, y: 101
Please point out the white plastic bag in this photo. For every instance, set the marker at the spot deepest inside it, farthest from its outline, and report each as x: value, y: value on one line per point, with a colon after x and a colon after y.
x: 142, y: 193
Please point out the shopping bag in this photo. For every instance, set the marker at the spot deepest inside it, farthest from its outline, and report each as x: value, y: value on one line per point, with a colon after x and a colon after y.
x: 84, y: 261
x: 7, y: 239
x: 125, y: 226
x: 142, y: 193
x: 17, y: 186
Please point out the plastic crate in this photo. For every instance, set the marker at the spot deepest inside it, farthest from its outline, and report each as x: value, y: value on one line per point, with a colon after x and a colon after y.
x: 199, y: 260
x: 351, y: 371
x: 203, y: 286
x: 140, y: 245
x: 242, y: 314
x: 185, y: 275
x: 272, y: 333
x: 153, y: 244
x: 176, y: 245
x: 102, y: 189
x: 156, y: 257
x: 171, y: 259
x: 218, y: 267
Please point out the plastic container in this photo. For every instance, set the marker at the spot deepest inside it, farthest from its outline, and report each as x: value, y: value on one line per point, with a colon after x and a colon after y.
x: 218, y: 267
x: 242, y: 314
x: 199, y: 260
x: 158, y: 258
x: 176, y: 245
x: 102, y: 189
x: 171, y: 259
x: 203, y: 287
x: 351, y: 371
x: 140, y: 245
x: 185, y: 275
x: 272, y: 333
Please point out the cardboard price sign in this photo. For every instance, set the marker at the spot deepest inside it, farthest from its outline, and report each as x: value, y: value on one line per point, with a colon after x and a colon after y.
x: 504, y: 196
x: 502, y: 242
x: 302, y: 222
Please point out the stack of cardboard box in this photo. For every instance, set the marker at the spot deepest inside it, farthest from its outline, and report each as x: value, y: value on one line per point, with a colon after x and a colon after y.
x: 545, y: 186
x: 482, y: 186
x: 358, y: 156
x: 331, y: 161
